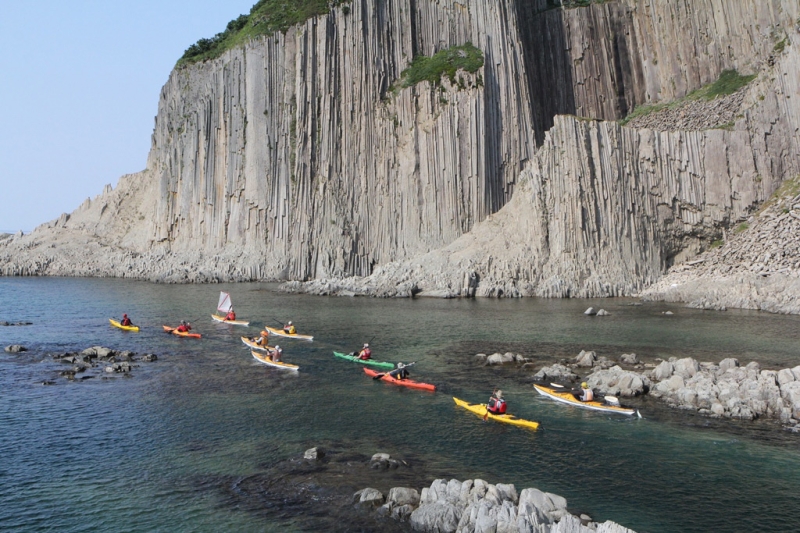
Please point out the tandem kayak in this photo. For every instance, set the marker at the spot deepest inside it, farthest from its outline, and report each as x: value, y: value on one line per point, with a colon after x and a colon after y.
x: 403, y: 382
x: 257, y: 346
x: 233, y: 322
x: 566, y: 396
x: 281, y: 333
x: 267, y: 360
x: 480, y: 410
x: 368, y: 362
x: 120, y: 326
x: 175, y: 331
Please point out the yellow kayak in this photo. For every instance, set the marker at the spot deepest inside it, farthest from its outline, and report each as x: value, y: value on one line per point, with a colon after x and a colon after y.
x: 267, y: 360
x: 257, y: 346
x: 480, y: 410
x: 234, y: 322
x: 120, y: 326
x: 281, y: 333
x: 566, y: 396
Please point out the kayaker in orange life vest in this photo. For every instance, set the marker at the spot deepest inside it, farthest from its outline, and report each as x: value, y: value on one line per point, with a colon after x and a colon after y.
x: 365, y: 354
x: 231, y: 315
x: 263, y: 340
x: 586, y: 394
x: 125, y: 320
x: 184, y: 327
x: 496, y: 405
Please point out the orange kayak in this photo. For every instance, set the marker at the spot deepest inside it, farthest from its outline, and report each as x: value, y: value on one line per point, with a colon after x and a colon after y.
x: 403, y: 382
x: 175, y: 331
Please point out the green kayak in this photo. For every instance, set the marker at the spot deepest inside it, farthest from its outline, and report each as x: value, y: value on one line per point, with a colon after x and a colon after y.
x: 368, y: 362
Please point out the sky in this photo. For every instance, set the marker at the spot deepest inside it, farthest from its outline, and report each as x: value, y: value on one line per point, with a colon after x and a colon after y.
x: 79, y: 88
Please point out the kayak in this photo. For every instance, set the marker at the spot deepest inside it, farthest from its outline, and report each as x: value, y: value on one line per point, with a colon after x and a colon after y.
x: 565, y: 396
x: 120, y: 326
x: 256, y: 346
x: 261, y: 358
x: 403, y: 382
x: 281, y: 333
x: 233, y: 322
x: 368, y: 362
x: 480, y: 410
x: 175, y: 331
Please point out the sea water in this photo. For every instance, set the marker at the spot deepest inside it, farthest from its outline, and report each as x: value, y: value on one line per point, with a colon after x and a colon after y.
x: 165, y: 449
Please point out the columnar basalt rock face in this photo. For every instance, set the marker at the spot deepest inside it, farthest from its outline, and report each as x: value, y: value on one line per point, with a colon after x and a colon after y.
x: 292, y: 158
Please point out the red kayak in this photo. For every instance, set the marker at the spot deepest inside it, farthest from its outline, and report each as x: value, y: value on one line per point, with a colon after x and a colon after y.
x: 175, y: 331
x: 403, y: 382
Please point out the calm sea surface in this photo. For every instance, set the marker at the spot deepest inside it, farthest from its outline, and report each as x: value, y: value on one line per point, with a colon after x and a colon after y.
x: 167, y: 448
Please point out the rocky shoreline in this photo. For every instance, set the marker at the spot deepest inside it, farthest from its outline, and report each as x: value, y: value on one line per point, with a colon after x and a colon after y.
x: 475, y: 506
x: 723, y: 390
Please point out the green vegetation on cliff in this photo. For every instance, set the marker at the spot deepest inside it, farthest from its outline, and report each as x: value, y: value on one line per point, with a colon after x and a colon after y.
x: 445, y: 62
x: 265, y: 18
x: 728, y: 82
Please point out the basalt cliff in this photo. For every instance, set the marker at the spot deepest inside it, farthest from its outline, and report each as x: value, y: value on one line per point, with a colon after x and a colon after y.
x: 298, y: 157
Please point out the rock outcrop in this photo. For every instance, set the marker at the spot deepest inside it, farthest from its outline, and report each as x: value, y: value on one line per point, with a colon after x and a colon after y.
x: 475, y: 506
x: 291, y: 158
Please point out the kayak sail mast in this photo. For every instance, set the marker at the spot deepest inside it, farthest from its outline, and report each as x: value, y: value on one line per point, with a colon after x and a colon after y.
x: 224, y: 304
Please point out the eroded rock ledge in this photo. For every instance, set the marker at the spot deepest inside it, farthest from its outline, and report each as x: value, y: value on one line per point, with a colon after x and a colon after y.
x: 474, y: 506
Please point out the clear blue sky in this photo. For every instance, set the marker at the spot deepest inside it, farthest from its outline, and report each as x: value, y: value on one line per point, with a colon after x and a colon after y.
x: 79, y: 87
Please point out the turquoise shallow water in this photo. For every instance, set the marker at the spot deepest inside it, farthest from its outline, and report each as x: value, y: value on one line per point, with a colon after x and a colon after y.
x: 162, y: 450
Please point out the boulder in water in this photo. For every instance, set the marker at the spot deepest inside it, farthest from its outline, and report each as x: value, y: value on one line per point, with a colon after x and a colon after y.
x: 16, y: 348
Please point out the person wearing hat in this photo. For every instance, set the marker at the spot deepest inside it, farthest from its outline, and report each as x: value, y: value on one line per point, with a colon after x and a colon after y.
x: 365, y: 354
x: 276, y: 354
x: 231, y: 315
x: 289, y: 328
x: 496, y: 405
x: 125, y: 320
x: 401, y: 372
x: 587, y: 394
x: 263, y: 339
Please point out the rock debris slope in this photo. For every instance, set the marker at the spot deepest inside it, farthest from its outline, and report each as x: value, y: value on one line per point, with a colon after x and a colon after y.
x: 292, y: 157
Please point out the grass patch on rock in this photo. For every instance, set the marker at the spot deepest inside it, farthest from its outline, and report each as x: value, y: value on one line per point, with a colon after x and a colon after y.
x: 788, y: 189
x: 728, y: 83
x: 443, y: 63
x: 265, y: 18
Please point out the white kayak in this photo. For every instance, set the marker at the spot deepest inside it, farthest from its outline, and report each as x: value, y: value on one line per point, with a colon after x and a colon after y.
x: 565, y: 396
x: 232, y: 322
x: 267, y: 360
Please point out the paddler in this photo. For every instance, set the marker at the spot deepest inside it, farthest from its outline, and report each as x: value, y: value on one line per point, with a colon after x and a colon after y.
x: 276, y: 354
x: 365, y: 354
x: 496, y: 405
x: 401, y: 372
x: 184, y: 327
x: 289, y: 328
x: 231, y: 315
x: 125, y: 320
x: 586, y: 394
x: 263, y: 340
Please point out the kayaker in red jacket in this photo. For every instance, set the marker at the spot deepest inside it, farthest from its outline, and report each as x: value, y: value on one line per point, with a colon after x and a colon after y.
x: 125, y: 320
x: 365, y: 354
x: 231, y: 315
x: 184, y: 327
x: 496, y: 405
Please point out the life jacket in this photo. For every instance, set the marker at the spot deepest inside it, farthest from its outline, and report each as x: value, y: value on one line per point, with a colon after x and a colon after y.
x: 365, y: 354
x: 126, y: 322
x: 230, y: 316
x: 183, y: 329
x: 587, y: 395
x: 496, y: 406
x: 291, y: 330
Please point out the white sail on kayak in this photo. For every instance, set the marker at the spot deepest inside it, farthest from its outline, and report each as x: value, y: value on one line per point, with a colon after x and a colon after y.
x: 224, y: 304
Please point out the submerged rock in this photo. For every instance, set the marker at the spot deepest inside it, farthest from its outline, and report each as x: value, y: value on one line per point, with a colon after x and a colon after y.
x: 16, y: 348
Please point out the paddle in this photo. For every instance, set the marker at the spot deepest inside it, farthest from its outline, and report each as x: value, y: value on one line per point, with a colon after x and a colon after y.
x: 393, y: 373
